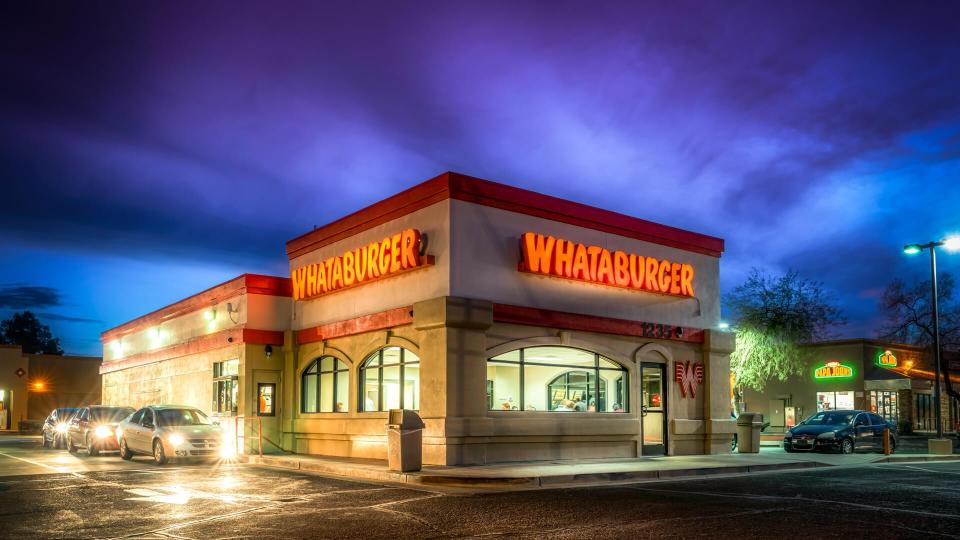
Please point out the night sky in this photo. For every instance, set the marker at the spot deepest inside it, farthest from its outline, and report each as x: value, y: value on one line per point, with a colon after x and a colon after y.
x: 151, y: 150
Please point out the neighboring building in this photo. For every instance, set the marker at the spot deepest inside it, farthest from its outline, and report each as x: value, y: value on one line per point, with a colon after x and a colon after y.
x: 32, y: 385
x: 891, y: 379
x: 520, y: 326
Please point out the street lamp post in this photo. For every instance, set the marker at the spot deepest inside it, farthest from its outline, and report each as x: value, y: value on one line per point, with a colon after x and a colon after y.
x: 951, y: 244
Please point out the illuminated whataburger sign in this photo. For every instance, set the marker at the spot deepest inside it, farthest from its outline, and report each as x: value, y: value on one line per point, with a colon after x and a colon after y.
x: 833, y: 370
x: 887, y: 359
x: 556, y: 257
x: 392, y: 255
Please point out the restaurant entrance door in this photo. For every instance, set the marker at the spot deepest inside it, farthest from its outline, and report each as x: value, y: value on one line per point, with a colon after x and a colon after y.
x: 653, y: 409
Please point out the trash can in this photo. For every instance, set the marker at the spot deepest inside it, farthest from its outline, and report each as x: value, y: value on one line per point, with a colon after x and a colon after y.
x: 404, y: 441
x: 749, y: 426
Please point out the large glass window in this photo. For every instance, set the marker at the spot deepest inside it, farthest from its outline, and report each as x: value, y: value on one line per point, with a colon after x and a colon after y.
x: 324, y: 386
x: 923, y: 405
x: 389, y: 379
x: 226, y: 387
x: 553, y: 378
x: 884, y: 403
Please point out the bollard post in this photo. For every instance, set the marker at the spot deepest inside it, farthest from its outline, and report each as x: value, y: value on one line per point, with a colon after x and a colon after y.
x: 886, y: 441
x: 260, y: 434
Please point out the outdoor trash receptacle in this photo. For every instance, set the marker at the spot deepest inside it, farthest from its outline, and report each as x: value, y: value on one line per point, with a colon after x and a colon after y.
x: 749, y: 426
x: 404, y: 441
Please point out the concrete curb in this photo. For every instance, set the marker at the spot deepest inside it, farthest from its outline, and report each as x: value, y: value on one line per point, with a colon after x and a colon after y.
x: 509, y: 483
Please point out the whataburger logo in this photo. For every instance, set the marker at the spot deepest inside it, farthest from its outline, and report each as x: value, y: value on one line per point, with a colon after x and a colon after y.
x: 392, y: 255
x: 593, y: 264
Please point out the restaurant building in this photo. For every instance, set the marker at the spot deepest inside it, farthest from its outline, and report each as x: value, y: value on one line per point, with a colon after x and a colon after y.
x: 520, y: 326
x: 891, y: 379
x: 32, y: 385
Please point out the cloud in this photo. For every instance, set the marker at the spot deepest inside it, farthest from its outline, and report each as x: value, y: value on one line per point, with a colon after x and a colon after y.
x: 19, y: 296
x: 67, y: 318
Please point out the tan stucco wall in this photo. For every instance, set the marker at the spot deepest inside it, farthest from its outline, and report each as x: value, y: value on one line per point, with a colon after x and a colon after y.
x: 453, y: 338
x: 185, y: 380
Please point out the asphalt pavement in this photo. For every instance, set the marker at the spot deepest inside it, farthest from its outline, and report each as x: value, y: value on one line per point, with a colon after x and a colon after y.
x: 52, y: 494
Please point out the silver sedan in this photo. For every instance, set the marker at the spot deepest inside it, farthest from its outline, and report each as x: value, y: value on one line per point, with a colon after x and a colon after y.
x: 172, y: 431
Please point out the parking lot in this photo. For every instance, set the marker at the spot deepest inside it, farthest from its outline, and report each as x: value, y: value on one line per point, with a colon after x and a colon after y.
x: 52, y: 494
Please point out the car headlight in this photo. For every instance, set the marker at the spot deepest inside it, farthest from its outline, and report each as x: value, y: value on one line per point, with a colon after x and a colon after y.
x: 102, y: 432
x: 62, y: 427
x: 176, y: 439
x: 827, y: 435
x: 788, y: 434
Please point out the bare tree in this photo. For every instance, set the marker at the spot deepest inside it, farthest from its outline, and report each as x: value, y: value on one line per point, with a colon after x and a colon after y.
x: 909, y: 312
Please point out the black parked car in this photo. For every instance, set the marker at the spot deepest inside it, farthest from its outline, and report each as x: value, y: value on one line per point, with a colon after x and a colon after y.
x: 840, y: 431
x: 54, y: 431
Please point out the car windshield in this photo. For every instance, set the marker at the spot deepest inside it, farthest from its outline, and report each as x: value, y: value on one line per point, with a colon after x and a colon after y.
x: 65, y: 414
x: 182, y: 417
x: 830, y: 419
x: 109, y: 415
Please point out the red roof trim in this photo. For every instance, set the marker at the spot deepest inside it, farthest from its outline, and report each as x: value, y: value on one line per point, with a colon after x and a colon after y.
x: 505, y: 313
x: 245, y: 283
x: 452, y: 185
x: 367, y: 323
x: 209, y: 342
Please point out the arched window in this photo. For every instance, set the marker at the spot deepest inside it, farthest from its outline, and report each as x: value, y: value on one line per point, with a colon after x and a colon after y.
x: 325, y: 386
x: 555, y: 378
x: 390, y: 379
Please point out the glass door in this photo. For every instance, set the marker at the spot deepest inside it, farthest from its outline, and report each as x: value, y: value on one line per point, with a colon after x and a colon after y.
x: 653, y: 404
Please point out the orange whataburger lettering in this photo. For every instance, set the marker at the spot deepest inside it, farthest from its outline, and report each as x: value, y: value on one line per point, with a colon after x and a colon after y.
x: 392, y: 255
x: 546, y: 255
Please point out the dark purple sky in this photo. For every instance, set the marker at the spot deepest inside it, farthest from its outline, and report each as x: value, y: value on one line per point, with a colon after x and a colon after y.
x: 150, y: 150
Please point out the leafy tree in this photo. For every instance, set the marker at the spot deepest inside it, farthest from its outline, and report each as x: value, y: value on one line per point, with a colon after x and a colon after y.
x: 909, y: 312
x: 25, y: 329
x: 773, y: 317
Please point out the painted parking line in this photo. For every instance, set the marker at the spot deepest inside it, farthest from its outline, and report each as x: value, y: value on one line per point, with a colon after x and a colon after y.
x: 759, y: 497
x: 62, y: 470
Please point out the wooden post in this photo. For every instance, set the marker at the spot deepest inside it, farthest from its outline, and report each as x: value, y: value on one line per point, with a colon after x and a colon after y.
x: 886, y: 441
x: 260, y: 434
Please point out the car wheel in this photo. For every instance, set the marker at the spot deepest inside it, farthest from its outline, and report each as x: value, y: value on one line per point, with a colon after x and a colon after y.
x: 893, y: 445
x: 846, y: 446
x: 91, y: 447
x: 789, y: 450
x: 46, y: 443
x: 159, y: 456
x: 125, y: 452
x: 72, y: 448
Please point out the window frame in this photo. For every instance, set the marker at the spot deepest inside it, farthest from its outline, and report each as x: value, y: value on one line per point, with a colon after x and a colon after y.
x: 337, y: 362
x: 216, y: 408
x: 362, y: 379
x: 623, y: 370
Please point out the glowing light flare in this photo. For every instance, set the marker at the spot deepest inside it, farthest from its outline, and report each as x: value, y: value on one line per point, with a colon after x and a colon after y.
x: 952, y: 243
x: 210, y: 315
x: 39, y: 386
x: 62, y: 427
x: 176, y: 439
x: 912, y: 249
x: 102, y: 432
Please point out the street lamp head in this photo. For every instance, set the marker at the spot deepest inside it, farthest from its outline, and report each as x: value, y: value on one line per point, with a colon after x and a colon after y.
x: 952, y: 243
x: 912, y: 249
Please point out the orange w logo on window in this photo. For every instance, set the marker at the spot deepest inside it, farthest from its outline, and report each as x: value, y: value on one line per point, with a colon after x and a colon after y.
x: 689, y: 377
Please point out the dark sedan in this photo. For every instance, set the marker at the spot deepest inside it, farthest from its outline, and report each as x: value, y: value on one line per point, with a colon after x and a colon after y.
x: 840, y: 431
x: 94, y: 429
x: 54, y: 431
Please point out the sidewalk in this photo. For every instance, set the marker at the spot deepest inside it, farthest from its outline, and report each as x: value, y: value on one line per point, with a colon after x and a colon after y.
x: 551, y: 474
